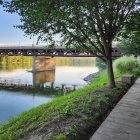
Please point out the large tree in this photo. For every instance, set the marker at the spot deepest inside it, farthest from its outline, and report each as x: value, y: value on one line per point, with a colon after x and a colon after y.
x: 88, y: 25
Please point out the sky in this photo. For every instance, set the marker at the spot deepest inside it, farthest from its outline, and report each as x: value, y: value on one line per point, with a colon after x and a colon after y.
x: 10, y: 35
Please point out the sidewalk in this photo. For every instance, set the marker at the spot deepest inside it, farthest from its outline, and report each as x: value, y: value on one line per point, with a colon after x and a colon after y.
x: 123, y: 123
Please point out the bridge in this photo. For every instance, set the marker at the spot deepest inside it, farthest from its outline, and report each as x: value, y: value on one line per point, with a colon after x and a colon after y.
x: 43, y: 51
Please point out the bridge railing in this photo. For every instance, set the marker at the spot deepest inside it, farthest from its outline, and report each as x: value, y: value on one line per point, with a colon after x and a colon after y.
x: 58, y: 52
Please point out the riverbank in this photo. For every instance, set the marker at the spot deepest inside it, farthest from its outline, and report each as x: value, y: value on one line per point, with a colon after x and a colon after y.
x: 70, y: 117
x: 91, y: 77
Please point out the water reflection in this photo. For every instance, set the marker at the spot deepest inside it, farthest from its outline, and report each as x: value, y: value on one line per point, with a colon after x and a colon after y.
x: 68, y: 71
x: 68, y: 75
x: 39, y: 78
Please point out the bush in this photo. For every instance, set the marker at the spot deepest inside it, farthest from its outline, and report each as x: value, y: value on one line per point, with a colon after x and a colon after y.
x: 125, y: 64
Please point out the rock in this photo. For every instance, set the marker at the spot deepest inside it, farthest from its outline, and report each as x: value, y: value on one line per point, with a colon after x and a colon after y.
x: 91, y: 77
x: 129, y: 79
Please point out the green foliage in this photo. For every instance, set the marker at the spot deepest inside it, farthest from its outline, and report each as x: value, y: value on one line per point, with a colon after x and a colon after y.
x: 74, y: 21
x: 130, y: 44
x: 104, y: 99
x: 60, y: 137
x: 73, y: 130
x: 1, y: 1
x: 100, y: 64
x: 136, y: 73
x: 67, y: 111
x: 125, y: 64
x: 129, y: 37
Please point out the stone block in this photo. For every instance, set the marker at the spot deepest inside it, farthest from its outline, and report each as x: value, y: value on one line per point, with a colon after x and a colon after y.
x: 129, y: 79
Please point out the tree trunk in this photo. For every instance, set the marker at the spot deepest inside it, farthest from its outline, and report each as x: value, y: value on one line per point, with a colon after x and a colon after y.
x: 111, y: 79
x: 109, y: 66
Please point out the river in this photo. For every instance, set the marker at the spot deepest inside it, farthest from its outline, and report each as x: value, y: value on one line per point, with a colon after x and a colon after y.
x: 68, y: 72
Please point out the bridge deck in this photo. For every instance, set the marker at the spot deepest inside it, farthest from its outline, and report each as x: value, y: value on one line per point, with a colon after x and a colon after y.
x: 42, y: 51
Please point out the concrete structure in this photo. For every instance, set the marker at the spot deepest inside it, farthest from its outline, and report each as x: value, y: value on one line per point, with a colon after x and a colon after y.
x: 42, y: 63
x: 123, y: 123
x: 43, y: 77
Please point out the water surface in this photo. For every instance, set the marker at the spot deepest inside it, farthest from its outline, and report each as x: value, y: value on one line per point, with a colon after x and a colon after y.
x: 13, y: 103
x: 68, y: 72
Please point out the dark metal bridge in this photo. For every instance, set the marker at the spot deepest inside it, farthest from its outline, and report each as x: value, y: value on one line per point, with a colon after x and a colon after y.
x: 42, y: 51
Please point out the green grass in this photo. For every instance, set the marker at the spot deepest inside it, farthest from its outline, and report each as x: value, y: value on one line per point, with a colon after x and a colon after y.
x: 60, y: 137
x: 76, y: 104
x: 31, y: 119
x: 125, y: 64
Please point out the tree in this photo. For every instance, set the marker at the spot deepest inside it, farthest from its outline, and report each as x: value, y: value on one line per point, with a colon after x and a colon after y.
x: 1, y: 1
x: 130, y: 45
x: 129, y: 38
x: 88, y: 25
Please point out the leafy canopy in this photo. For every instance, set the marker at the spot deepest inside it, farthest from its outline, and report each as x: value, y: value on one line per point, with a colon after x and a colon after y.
x: 1, y: 1
x: 86, y: 24
x: 130, y: 35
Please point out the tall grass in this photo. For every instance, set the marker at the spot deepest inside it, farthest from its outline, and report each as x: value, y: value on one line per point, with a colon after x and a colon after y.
x: 125, y: 64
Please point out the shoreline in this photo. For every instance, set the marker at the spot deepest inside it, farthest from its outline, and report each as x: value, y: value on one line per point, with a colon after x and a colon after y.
x: 91, y: 77
x: 76, y: 120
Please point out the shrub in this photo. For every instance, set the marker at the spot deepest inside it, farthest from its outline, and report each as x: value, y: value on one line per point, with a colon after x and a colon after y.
x: 125, y: 64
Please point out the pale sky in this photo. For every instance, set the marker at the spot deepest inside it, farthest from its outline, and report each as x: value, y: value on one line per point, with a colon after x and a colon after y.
x: 10, y: 35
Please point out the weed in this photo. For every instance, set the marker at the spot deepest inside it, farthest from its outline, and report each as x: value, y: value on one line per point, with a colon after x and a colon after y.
x: 67, y: 111
x: 73, y: 130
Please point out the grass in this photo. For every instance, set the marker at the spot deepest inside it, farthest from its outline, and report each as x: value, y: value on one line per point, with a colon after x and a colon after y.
x: 67, y: 113
x: 125, y: 64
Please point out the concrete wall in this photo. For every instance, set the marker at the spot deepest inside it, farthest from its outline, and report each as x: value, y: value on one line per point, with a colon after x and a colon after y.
x: 43, y: 63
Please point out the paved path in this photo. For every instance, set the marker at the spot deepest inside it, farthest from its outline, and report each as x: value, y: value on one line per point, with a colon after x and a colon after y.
x: 123, y: 123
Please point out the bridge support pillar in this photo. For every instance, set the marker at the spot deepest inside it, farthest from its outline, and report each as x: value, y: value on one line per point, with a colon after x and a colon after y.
x: 42, y: 63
